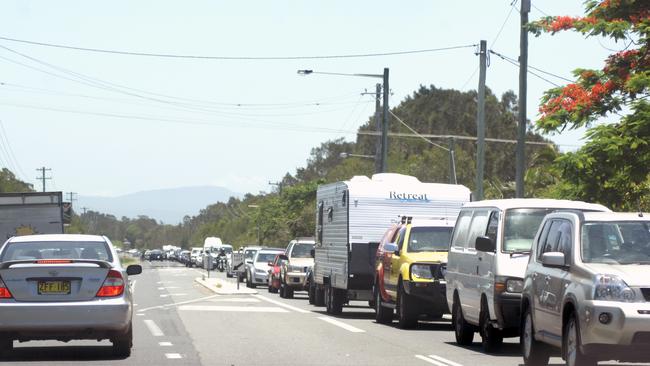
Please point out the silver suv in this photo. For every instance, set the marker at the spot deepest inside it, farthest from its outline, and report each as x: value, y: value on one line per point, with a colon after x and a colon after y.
x: 587, y: 289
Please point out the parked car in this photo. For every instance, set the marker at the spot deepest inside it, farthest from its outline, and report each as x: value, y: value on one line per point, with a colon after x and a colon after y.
x: 293, y: 276
x: 586, y: 289
x: 274, y: 272
x: 249, y: 256
x: 156, y: 255
x: 257, y: 272
x: 146, y: 254
x: 409, y: 270
x: 184, y: 257
x: 63, y: 287
x: 487, y: 261
x: 195, y: 255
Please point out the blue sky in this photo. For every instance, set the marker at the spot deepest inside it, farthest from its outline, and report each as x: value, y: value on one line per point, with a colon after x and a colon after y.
x: 88, y: 135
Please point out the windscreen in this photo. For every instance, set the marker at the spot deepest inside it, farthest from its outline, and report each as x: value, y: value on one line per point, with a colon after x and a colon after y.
x: 521, y: 225
x: 623, y: 242
x: 249, y: 254
x: 96, y: 250
x: 429, y: 239
x: 302, y: 250
x: 266, y: 257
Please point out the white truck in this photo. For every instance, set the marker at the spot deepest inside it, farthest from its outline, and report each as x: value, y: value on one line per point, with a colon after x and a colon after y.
x: 30, y: 213
x: 351, y: 218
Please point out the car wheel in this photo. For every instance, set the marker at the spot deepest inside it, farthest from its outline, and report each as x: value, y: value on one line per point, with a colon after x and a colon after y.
x: 311, y: 291
x: 463, y: 331
x: 535, y: 353
x: 491, y: 337
x: 6, y: 346
x: 319, y: 296
x: 383, y: 315
x: 407, y: 316
x: 571, y: 339
x: 288, y: 292
x: 123, y: 343
x: 283, y: 293
x: 333, y: 302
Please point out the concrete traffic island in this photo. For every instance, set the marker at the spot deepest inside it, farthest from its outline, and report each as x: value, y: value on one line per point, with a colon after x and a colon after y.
x: 222, y: 287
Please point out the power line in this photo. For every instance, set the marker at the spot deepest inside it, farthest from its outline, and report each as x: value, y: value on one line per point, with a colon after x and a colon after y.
x: 416, y: 133
x: 11, y: 152
x: 539, y: 10
x: 261, y: 58
x: 513, y: 5
x: 515, y: 63
x: 458, y: 137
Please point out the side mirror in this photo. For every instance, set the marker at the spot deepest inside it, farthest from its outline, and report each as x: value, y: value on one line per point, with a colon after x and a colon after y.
x: 284, y: 257
x: 270, y: 263
x: 391, y: 248
x: 312, y: 252
x: 485, y: 244
x: 248, y: 261
x: 134, y: 269
x: 553, y: 259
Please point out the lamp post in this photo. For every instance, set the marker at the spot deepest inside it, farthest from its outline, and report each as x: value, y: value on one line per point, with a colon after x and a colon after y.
x: 383, y: 154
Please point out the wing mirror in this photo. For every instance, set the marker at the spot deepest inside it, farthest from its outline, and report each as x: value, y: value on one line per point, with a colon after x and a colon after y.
x: 134, y: 269
x: 391, y: 248
x: 553, y: 259
x: 312, y: 252
x: 485, y: 244
x: 283, y: 257
x: 270, y: 263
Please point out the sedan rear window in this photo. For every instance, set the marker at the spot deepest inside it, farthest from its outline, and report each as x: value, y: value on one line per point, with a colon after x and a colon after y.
x: 95, y: 250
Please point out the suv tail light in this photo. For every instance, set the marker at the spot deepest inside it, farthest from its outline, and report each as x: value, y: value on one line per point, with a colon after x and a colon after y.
x: 4, y: 291
x: 113, y: 285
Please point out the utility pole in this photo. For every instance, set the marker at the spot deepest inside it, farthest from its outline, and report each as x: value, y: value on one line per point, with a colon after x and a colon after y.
x: 42, y: 177
x: 480, y: 121
x: 452, y: 162
x: 384, y: 126
x: 84, y: 209
x: 71, y: 198
x: 520, y: 169
x: 378, y: 143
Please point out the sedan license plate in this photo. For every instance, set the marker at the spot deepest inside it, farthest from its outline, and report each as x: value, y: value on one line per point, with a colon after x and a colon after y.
x: 53, y: 287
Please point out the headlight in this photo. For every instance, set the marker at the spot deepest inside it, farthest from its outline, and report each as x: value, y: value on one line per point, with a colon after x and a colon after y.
x: 421, y: 271
x: 612, y: 288
x: 514, y: 285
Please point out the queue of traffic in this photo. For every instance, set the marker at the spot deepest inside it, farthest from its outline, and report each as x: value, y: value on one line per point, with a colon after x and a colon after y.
x: 568, y: 278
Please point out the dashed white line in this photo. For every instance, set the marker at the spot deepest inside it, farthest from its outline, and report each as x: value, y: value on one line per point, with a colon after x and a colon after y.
x: 179, y: 303
x: 339, y: 324
x: 153, y: 328
x: 429, y: 360
x: 165, y: 344
x: 245, y: 309
x: 173, y: 355
x: 279, y: 303
x: 161, y: 288
x: 437, y: 360
x: 444, y: 360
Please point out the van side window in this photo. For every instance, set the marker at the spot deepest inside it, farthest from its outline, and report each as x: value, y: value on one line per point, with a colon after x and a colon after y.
x: 462, y: 227
x: 493, y: 226
x: 478, y: 227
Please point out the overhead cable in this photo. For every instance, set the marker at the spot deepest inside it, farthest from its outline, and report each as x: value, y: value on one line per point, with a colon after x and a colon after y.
x: 416, y: 133
x: 204, y: 57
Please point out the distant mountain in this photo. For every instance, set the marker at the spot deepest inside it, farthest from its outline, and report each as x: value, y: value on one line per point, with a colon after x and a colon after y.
x: 166, y: 205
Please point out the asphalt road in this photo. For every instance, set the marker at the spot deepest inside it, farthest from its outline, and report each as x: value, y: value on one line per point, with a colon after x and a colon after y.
x: 178, y: 322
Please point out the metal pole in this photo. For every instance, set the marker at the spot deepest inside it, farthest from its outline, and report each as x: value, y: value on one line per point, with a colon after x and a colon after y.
x: 384, y: 126
x: 452, y: 163
x: 480, y: 122
x: 520, y: 169
x: 378, y: 150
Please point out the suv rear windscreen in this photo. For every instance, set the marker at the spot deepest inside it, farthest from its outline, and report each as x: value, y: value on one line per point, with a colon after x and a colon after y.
x: 302, y: 250
x: 95, y: 250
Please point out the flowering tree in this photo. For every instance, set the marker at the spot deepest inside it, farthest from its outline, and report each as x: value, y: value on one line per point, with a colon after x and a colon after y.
x: 613, y: 167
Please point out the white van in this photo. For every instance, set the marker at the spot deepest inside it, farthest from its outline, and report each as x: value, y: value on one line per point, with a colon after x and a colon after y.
x: 487, y: 261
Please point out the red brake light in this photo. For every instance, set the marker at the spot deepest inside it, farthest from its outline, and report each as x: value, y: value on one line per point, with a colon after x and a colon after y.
x: 113, y: 285
x: 4, y: 291
x: 53, y: 261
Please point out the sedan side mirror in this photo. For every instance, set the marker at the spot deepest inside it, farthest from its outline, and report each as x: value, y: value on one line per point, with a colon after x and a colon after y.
x: 553, y: 259
x: 391, y: 248
x: 485, y: 244
x: 134, y: 269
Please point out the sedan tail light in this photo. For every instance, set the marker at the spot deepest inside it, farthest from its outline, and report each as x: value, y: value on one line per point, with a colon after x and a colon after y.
x: 113, y: 285
x: 4, y: 291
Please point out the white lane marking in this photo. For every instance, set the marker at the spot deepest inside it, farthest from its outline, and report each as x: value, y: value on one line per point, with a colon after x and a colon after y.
x: 429, y: 360
x: 139, y: 314
x: 345, y: 326
x: 165, y: 344
x: 153, y: 328
x: 279, y: 303
x: 444, y: 360
x: 172, y: 287
x: 166, y: 306
x: 133, y: 286
x: 236, y: 300
x: 161, y: 288
x: 173, y: 355
x: 168, y: 295
x: 244, y: 309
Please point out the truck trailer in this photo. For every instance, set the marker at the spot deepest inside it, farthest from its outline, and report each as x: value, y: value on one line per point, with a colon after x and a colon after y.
x: 30, y: 213
x: 352, y: 216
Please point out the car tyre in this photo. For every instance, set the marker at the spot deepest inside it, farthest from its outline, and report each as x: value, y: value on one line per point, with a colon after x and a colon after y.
x: 6, y: 346
x: 383, y: 315
x: 311, y: 291
x: 122, y: 344
x: 319, y: 297
x: 283, y: 290
x: 491, y: 337
x: 463, y: 331
x: 535, y: 353
x: 571, y: 342
x: 288, y: 292
x: 333, y: 303
x: 407, y: 316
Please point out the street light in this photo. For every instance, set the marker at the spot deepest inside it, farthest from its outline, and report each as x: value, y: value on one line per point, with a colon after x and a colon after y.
x: 382, y: 155
x: 345, y: 155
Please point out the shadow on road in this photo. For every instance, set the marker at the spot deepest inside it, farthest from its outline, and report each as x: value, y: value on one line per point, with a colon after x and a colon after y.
x: 507, y: 350
x: 61, y: 353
